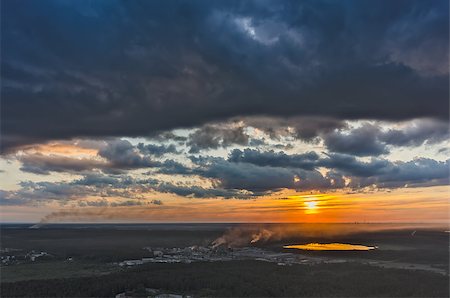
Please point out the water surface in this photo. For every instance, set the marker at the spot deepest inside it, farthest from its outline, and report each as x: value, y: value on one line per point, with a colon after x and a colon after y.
x: 330, y: 246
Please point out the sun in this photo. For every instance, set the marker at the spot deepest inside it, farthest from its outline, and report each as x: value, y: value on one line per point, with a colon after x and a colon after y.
x: 311, y: 207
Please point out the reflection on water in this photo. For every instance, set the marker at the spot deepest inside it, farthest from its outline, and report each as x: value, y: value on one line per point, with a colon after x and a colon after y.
x: 330, y: 246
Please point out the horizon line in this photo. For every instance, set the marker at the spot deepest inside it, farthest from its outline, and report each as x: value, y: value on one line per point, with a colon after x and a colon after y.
x: 190, y: 222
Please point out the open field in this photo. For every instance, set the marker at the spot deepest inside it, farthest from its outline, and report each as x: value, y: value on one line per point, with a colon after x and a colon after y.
x: 52, y: 269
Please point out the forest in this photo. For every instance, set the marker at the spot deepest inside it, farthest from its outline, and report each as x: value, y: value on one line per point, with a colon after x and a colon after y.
x: 243, y: 278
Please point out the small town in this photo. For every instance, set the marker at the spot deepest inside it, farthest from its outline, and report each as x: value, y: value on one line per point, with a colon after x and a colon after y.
x: 214, y: 254
x: 9, y: 256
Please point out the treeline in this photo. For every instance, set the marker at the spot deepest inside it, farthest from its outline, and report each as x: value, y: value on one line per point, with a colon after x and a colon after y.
x: 243, y: 278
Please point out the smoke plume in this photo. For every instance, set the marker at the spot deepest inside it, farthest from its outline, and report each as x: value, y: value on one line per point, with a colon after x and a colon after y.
x: 254, y: 234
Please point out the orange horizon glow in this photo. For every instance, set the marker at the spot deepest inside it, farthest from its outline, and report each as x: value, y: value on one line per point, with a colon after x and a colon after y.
x: 403, y: 205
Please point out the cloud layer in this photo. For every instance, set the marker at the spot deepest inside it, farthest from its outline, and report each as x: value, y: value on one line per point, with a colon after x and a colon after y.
x: 120, y: 68
x: 135, y: 103
x: 244, y: 174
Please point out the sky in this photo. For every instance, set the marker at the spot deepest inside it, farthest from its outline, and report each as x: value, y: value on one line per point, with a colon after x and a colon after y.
x: 224, y: 111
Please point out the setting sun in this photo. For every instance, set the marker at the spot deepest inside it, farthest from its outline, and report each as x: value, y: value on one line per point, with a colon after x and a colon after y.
x: 311, y: 207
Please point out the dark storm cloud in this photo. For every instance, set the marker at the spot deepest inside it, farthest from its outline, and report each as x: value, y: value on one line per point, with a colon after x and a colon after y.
x: 305, y: 161
x: 100, y: 180
x: 42, y: 164
x: 42, y: 192
x: 99, y: 185
x: 361, y: 141
x: 123, y: 155
x: 171, y: 167
x: 168, y: 136
x: 120, y: 155
x: 157, y: 150
x: 123, y: 182
x: 379, y: 172
x: 304, y: 128
x: 257, y: 142
x: 372, y: 140
x: 116, y: 156
x: 345, y: 164
x: 201, y: 192
x: 418, y: 172
x: 248, y: 176
x: 213, y: 137
x: 417, y: 133
x: 132, y: 68
x: 350, y: 166
x: 268, y: 171
x: 92, y: 185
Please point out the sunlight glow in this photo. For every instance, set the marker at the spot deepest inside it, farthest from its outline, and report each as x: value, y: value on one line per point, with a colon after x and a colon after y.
x: 311, y: 207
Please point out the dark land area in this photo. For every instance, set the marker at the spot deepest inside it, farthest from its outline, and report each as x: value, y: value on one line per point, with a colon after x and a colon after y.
x: 133, y: 260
